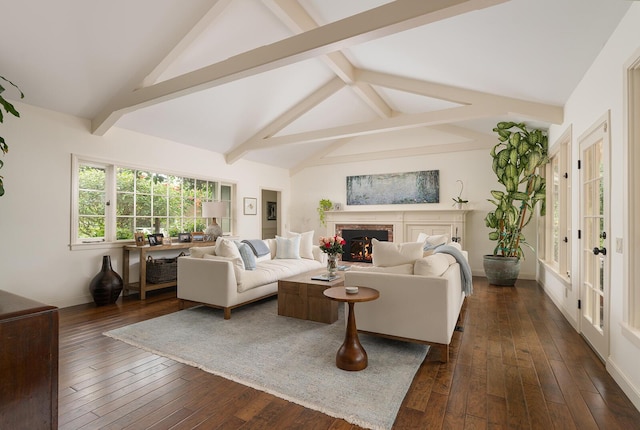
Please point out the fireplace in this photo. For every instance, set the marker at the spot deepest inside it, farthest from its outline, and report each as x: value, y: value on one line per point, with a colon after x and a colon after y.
x: 358, y: 245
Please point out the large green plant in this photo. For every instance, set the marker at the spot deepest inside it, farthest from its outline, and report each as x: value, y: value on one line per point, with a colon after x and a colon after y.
x: 9, y: 108
x: 516, y: 161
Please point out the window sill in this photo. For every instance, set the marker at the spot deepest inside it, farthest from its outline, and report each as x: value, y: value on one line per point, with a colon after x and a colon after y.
x: 564, y: 279
x: 632, y: 334
x: 99, y: 245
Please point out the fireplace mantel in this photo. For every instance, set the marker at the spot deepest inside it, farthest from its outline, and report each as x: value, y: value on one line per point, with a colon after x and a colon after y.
x: 407, y: 224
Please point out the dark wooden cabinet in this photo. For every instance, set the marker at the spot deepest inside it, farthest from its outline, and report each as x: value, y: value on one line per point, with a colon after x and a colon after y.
x: 28, y: 363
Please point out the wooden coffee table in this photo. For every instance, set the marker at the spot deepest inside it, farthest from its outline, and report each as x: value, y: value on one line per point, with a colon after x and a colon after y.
x: 351, y: 355
x: 301, y: 297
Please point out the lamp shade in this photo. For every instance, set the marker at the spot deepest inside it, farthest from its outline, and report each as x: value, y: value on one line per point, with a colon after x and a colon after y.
x: 214, y: 209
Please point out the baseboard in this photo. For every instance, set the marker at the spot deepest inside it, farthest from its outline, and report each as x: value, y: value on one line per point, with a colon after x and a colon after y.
x: 629, y: 389
x: 559, y: 303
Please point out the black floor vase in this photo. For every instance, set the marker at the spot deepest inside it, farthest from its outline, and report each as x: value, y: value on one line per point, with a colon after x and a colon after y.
x: 107, y: 285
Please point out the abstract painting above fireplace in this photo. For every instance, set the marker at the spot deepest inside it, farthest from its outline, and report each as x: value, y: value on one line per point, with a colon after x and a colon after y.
x: 394, y: 188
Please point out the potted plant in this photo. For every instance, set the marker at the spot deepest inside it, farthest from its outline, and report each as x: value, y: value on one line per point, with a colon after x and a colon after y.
x: 9, y: 108
x: 517, y: 158
x: 323, y: 206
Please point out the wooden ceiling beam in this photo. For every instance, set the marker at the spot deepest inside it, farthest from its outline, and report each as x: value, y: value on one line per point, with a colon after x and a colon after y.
x: 400, y: 122
x: 382, y: 21
x: 285, y: 119
x: 213, y: 14
x: 400, y: 153
x: 294, y: 16
x: 538, y: 111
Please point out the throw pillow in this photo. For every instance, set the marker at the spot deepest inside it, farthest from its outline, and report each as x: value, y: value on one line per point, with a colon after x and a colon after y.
x: 436, y: 239
x: 226, y: 248
x: 288, y: 247
x: 433, y: 265
x: 247, y: 255
x: 306, y: 243
x: 199, y: 252
x: 387, y: 254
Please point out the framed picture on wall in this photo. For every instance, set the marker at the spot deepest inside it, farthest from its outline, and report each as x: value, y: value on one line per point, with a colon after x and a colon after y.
x: 272, y: 211
x: 250, y: 206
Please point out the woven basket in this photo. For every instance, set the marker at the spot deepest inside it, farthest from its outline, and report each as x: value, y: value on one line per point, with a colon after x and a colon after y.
x: 160, y: 270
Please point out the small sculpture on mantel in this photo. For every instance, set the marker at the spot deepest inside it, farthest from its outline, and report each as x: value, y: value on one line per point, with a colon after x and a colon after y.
x: 459, y: 202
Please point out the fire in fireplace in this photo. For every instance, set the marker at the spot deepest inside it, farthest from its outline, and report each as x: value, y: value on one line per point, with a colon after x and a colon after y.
x: 358, y: 245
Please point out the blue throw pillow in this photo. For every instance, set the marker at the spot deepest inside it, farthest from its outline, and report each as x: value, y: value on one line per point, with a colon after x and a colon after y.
x: 247, y: 255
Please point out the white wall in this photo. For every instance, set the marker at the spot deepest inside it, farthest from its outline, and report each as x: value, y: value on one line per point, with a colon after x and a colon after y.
x: 472, y: 167
x: 600, y: 90
x: 35, y: 212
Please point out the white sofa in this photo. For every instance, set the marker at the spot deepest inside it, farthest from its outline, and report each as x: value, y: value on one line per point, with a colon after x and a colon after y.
x: 220, y: 279
x: 418, y: 302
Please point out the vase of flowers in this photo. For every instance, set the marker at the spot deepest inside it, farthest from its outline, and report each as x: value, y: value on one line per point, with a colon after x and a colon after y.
x: 332, y: 246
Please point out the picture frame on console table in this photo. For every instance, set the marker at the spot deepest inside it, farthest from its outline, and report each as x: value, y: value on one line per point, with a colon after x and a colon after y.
x: 197, y: 236
x: 139, y: 237
x: 250, y: 206
x: 184, y: 237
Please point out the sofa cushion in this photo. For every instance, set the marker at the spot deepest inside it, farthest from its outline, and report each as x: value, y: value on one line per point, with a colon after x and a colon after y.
x: 306, y: 243
x: 200, y: 251
x: 227, y: 248
x: 271, y: 271
x: 432, y: 265
x: 288, y: 247
x: 247, y: 255
x: 387, y: 254
x: 402, y: 269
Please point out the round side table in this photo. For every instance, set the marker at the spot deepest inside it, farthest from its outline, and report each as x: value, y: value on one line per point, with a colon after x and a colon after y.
x: 351, y: 355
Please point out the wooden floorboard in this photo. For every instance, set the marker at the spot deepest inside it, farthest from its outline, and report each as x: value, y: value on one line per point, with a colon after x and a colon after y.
x: 516, y: 363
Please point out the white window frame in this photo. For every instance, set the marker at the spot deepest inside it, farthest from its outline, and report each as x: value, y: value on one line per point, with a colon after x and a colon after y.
x: 560, y: 152
x: 109, y: 240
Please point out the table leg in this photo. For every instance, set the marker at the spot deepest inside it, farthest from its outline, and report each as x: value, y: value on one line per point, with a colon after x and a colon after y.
x: 351, y: 355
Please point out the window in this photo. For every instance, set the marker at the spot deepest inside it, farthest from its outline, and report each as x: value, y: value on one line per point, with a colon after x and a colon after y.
x: 558, y: 216
x: 112, y: 202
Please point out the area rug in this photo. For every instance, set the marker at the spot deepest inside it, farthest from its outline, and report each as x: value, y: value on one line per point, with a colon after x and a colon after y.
x: 290, y: 358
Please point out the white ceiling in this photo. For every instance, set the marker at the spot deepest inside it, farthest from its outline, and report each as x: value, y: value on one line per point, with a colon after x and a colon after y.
x: 288, y: 105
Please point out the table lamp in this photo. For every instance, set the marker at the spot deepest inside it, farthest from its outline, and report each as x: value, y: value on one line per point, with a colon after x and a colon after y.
x: 214, y: 210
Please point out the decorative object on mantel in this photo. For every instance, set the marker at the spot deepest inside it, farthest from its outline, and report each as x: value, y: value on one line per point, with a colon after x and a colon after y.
x: 107, y: 285
x: 9, y: 108
x: 332, y: 246
x: 213, y: 210
x: 250, y: 206
x: 323, y: 206
x: 516, y: 159
x: 459, y: 202
x: 394, y: 188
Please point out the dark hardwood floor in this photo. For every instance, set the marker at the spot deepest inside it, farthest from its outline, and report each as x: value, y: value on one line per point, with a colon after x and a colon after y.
x: 518, y: 364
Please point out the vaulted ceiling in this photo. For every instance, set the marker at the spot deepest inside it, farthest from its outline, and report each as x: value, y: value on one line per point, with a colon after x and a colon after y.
x: 297, y: 83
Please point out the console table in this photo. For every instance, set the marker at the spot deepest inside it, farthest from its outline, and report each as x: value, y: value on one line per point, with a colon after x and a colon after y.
x: 142, y: 284
x: 28, y: 363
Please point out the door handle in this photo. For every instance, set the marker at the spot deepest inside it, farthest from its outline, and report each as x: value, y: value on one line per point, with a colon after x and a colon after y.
x: 602, y: 251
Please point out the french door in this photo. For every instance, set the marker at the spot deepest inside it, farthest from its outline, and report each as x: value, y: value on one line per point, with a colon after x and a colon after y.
x: 594, y: 263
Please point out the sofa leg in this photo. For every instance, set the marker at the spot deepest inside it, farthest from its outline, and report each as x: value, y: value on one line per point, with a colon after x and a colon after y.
x: 444, y: 353
x: 181, y: 304
x: 227, y: 313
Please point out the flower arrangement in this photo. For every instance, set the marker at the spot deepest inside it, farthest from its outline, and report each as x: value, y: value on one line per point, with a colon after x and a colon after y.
x: 332, y: 244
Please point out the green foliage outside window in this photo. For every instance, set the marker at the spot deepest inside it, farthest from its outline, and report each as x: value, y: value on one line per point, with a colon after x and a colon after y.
x: 144, y: 200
